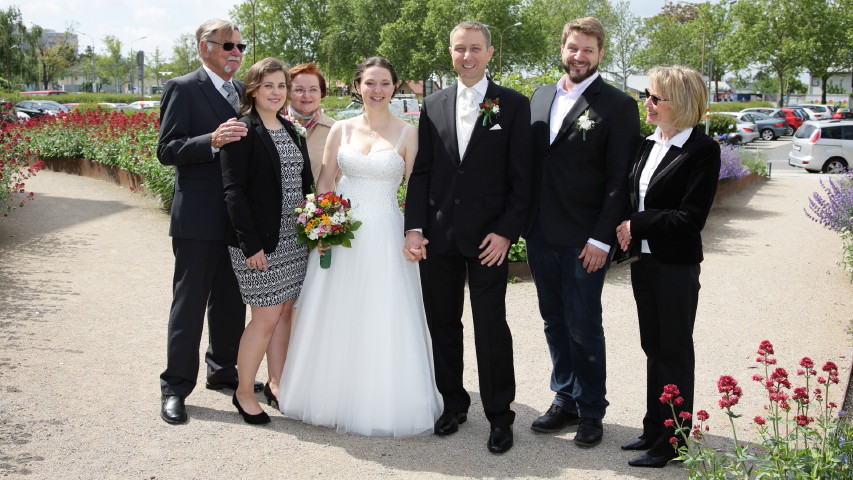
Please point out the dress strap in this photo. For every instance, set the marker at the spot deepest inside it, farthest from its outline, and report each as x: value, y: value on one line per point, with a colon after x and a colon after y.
x: 344, y: 132
x: 402, y: 136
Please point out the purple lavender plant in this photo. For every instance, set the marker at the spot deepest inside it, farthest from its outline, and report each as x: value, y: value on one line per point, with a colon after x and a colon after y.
x: 731, y: 164
x: 834, y: 212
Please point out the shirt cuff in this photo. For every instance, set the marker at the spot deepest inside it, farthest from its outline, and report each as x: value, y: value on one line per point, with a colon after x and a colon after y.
x: 419, y: 230
x: 600, y: 245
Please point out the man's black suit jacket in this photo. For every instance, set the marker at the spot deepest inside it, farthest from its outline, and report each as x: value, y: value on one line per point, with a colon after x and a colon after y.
x: 580, y: 182
x: 191, y: 108
x: 251, y: 173
x: 460, y: 197
x: 678, y: 199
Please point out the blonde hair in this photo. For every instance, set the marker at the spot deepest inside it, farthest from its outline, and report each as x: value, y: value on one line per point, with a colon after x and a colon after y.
x: 684, y: 88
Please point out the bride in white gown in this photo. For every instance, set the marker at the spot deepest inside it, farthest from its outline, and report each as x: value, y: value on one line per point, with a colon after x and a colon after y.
x: 360, y: 358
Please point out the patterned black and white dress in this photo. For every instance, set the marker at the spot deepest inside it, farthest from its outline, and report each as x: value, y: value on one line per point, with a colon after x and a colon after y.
x: 287, y: 264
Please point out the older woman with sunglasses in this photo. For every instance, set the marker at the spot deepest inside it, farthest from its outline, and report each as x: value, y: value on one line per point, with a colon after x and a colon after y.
x: 309, y: 87
x: 672, y: 187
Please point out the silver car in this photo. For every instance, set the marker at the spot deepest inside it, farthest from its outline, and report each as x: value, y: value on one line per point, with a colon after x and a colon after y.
x: 746, y: 131
x: 823, y: 146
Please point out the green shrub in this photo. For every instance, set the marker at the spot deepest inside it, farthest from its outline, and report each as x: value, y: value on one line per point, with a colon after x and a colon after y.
x: 738, y: 106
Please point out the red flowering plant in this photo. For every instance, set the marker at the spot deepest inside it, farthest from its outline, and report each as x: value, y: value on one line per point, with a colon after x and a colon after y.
x: 111, y: 138
x: 803, y: 433
x: 16, y: 166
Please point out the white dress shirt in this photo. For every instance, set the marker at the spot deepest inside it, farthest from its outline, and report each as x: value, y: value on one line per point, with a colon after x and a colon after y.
x: 659, y: 150
x: 564, y: 100
x: 465, y: 117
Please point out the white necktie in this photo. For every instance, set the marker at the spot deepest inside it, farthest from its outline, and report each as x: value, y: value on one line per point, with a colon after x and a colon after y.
x: 466, y: 113
x: 231, y: 95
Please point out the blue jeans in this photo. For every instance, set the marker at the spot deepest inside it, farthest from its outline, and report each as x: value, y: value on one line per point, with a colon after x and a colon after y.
x: 570, y: 305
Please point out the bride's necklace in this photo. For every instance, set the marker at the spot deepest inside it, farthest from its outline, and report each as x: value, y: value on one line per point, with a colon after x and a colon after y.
x: 371, y: 132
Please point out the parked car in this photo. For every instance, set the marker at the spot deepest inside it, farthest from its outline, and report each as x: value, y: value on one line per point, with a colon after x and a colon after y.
x: 37, y: 108
x: 823, y: 146
x: 114, y: 106
x: 769, y: 128
x: 144, y: 105
x: 817, y: 112
x: 747, y: 131
x: 788, y: 114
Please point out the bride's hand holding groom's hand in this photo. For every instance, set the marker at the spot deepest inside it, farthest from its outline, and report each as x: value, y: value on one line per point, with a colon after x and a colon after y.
x: 415, y: 247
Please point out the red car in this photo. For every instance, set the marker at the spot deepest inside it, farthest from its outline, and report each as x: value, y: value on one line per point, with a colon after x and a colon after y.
x: 794, y: 116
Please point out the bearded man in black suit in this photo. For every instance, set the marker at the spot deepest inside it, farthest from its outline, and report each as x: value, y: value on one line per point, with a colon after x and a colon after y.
x: 585, y: 133
x: 198, y: 117
x: 467, y: 198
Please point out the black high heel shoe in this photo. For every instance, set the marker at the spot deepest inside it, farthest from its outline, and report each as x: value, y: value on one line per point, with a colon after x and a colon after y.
x: 270, y: 397
x: 257, y: 419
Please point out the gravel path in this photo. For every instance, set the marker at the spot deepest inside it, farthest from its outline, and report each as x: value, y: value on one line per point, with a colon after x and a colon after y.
x: 85, y: 293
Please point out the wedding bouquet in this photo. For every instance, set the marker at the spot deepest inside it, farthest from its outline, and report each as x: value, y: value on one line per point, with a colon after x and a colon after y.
x: 326, y: 220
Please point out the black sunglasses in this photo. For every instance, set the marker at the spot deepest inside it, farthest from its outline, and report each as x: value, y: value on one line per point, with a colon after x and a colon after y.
x: 228, y: 46
x: 655, y: 98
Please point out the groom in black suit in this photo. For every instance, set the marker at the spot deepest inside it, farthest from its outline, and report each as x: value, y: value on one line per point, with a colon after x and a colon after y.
x: 467, y: 198
x: 197, y: 117
x: 585, y: 133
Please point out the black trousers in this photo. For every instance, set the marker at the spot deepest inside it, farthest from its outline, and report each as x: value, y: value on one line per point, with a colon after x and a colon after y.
x: 203, y: 281
x: 666, y: 297
x: 443, y: 285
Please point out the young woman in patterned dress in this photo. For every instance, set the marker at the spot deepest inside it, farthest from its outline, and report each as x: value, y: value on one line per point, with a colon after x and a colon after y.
x: 265, y: 176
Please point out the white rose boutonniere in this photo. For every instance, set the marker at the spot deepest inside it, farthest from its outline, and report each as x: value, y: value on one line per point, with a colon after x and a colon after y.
x: 584, y: 123
x: 300, y: 132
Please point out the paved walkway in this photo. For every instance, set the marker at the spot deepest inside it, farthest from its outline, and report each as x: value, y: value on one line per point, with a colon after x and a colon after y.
x: 85, y: 291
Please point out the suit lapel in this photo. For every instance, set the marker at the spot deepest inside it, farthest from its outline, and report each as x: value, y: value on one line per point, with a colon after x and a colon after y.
x: 448, y: 129
x: 582, y: 103
x: 540, y: 111
x: 673, y: 158
x: 216, y: 100
x: 646, y: 149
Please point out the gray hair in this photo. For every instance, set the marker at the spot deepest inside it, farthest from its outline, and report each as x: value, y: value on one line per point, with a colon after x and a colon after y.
x: 211, y: 28
x: 472, y: 25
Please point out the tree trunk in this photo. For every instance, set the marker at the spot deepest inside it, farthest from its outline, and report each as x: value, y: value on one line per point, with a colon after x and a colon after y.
x: 779, y: 103
x: 823, y: 81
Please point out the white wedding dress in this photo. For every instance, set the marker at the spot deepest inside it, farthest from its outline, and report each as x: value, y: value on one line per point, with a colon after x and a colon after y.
x: 360, y: 357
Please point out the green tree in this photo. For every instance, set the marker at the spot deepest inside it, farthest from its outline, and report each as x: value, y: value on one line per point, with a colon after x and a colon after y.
x: 549, y: 17
x: 831, y: 51
x: 113, y: 65
x: 156, y: 66
x: 769, y: 34
x: 625, y: 42
x: 185, y: 58
x: 14, y: 45
x: 55, y: 54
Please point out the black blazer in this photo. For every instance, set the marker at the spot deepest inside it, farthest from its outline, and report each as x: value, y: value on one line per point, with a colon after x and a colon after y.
x: 460, y: 197
x: 251, y: 175
x: 191, y: 108
x: 580, y: 186
x: 678, y: 199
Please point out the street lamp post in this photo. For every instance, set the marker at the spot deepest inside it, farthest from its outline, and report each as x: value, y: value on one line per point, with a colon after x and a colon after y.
x: 132, y: 61
x: 93, y: 59
x: 254, y: 27
x: 501, y: 50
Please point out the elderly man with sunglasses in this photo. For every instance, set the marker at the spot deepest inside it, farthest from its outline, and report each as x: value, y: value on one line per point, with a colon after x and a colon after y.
x: 198, y: 116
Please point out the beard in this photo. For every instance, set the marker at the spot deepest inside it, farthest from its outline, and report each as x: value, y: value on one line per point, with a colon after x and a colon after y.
x: 576, y: 77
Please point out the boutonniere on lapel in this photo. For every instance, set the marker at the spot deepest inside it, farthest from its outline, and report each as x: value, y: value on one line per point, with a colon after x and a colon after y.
x: 301, y: 132
x: 585, y: 124
x: 489, y: 110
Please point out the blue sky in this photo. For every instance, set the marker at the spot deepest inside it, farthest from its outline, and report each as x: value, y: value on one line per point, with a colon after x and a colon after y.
x: 158, y: 20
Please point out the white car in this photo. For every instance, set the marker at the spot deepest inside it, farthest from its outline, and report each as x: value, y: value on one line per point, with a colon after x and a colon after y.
x: 824, y: 146
x: 144, y: 104
x: 817, y: 112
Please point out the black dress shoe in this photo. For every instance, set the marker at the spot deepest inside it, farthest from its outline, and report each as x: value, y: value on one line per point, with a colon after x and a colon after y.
x: 500, y: 440
x: 554, y: 420
x: 589, y: 432
x: 256, y: 419
x: 173, y: 410
x: 449, y: 422
x: 639, y: 443
x: 652, y: 461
